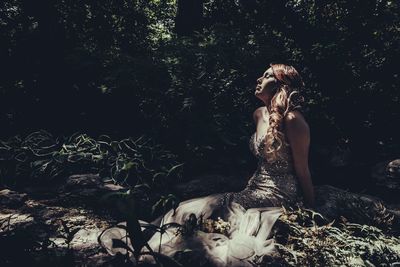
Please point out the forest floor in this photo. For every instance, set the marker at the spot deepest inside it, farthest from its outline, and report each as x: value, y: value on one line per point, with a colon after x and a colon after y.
x: 59, y: 225
x: 55, y: 225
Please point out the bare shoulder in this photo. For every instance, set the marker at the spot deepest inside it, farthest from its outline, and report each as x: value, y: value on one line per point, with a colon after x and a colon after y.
x: 257, y: 114
x: 295, y: 122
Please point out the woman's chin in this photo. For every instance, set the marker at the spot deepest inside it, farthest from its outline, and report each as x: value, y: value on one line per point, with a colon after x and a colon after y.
x: 257, y: 92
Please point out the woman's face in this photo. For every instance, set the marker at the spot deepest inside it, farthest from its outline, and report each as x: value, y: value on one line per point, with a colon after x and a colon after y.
x: 266, y: 85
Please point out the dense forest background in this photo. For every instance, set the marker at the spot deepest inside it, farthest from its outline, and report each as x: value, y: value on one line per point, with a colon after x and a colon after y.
x: 184, y: 72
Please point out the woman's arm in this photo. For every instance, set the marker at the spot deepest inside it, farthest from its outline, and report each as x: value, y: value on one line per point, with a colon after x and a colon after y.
x: 298, y: 134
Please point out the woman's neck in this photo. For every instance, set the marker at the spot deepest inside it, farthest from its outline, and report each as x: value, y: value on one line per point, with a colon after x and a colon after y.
x: 268, y: 107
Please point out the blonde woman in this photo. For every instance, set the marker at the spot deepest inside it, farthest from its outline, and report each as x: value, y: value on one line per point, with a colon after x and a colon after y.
x: 282, y: 129
x: 282, y: 178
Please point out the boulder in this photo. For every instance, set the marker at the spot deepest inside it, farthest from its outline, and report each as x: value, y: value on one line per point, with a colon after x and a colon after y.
x: 386, y: 177
x: 52, y: 233
x: 59, y: 226
x: 79, y: 181
x: 393, y: 169
x: 11, y: 198
x: 12, y: 220
x: 336, y: 203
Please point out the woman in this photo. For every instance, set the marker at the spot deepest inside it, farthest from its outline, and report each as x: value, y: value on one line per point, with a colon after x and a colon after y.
x: 282, y: 178
x: 282, y: 123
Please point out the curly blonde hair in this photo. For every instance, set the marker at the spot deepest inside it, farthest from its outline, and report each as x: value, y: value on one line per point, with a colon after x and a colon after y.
x: 286, y: 98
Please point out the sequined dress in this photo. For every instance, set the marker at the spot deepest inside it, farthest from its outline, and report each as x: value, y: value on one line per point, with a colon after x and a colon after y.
x: 273, y: 183
x: 251, y: 214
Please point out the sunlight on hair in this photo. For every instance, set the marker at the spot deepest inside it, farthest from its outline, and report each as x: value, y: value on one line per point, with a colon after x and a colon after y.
x: 282, y: 103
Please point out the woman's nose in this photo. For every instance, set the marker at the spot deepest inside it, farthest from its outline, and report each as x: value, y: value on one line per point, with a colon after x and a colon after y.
x: 259, y: 80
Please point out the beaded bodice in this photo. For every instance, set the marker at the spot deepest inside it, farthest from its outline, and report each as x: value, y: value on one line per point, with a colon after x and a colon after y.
x: 274, y: 182
x: 283, y: 163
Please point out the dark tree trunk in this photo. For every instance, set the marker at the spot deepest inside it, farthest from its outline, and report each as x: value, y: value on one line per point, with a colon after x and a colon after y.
x: 189, y: 17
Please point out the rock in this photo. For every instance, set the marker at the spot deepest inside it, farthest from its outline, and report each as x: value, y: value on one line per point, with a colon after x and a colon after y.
x: 12, y: 221
x: 113, y: 187
x: 78, y: 185
x: 87, y: 185
x: 56, y: 228
x: 85, y: 239
x: 75, y: 190
x: 393, y: 169
x: 80, y: 181
x: 333, y: 203
x: 12, y: 199
x: 55, y: 232
x: 386, y: 176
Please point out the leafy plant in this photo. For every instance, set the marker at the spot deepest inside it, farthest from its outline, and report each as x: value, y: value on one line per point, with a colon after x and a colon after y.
x: 40, y: 156
x: 305, y: 238
x: 133, y: 236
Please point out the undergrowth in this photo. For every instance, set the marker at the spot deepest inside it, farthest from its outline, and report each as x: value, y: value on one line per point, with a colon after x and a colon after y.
x: 306, y: 238
x: 41, y: 156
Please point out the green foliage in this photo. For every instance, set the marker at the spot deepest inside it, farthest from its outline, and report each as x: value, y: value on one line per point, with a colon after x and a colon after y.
x: 165, y: 202
x: 136, y: 234
x: 119, y: 67
x: 40, y: 156
x: 306, y: 239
